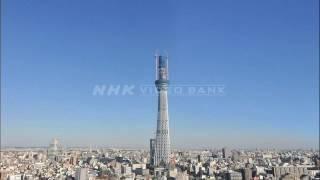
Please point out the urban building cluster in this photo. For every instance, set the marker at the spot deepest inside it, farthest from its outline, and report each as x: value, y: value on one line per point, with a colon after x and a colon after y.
x: 55, y: 162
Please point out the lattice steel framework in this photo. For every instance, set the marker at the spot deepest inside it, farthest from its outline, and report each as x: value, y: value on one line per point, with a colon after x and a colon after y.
x: 162, y: 144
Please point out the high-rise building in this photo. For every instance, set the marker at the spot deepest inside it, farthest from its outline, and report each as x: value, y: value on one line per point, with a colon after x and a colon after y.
x: 226, y: 152
x: 235, y: 155
x: 152, y: 150
x: 82, y: 174
x: 162, y: 143
x: 54, y: 149
x: 199, y: 158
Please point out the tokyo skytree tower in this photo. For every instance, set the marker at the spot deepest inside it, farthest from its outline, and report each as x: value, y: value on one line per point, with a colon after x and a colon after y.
x: 162, y: 141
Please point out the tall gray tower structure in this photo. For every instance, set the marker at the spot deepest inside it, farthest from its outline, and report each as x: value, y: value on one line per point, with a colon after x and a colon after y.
x: 162, y: 143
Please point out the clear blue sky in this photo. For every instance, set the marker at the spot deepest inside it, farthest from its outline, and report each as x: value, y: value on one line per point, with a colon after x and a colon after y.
x: 265, y: 53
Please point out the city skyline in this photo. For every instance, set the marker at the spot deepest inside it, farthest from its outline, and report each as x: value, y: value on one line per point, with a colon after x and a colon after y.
x: 54, y: 56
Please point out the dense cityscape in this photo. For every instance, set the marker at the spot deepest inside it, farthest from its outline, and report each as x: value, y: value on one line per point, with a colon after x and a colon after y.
x: 56, y: 162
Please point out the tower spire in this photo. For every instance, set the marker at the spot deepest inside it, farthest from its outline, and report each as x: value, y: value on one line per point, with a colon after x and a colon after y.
x: 162, y: 141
